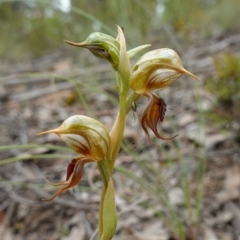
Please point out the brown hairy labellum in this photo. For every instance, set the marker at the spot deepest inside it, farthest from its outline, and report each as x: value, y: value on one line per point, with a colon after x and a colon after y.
x: 152, y: 113
x: 73, y: 177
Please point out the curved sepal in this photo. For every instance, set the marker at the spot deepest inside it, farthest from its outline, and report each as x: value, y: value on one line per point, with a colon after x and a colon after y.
x: 102, y: 46
x: 131, y: 53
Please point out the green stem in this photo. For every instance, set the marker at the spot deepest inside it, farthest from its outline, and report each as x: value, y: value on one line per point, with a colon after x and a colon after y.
x: 104, y: 171
x: 117, y: 131
x: 108, y: 215
x: 119, y: 125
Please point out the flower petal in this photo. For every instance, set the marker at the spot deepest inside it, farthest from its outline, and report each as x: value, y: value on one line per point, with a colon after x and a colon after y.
x: 74, y: 175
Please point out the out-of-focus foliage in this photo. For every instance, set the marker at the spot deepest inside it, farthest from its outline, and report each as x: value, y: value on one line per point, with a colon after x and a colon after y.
x: 225, y: 85
x: 180, y: 14
x: 32, y: 27
x: 227, y: 78
x: 224, y: 14
x: 135, y: 16
x: 208, y: 17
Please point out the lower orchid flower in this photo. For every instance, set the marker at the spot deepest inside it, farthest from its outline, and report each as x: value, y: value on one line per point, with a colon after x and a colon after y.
x: 87, y: 137
x: 155, y: 70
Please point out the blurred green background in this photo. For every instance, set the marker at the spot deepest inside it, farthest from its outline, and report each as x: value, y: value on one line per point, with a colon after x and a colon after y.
x: 30, y: 28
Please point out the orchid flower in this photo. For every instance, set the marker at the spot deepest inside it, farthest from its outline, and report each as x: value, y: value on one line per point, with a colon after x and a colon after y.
x: 87, y: 137
x: 155, y: 70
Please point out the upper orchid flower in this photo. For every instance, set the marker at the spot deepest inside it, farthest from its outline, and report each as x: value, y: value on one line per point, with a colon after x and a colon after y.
x: 157, y: 69
x: 102, y: 46
x: 86, y: 136
x: 106, y: 47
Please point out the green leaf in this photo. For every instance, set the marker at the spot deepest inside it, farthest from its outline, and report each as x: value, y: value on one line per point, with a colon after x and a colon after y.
x: 109, y: 213
x: 100, y: 222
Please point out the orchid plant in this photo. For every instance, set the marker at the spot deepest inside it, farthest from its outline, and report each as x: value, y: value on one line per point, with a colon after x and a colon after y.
x: 90, y: 139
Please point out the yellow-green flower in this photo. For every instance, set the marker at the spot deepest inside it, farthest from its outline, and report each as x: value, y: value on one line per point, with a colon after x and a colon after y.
x: 156, y: 69
x: 102, y: 46
x: 87, y: 137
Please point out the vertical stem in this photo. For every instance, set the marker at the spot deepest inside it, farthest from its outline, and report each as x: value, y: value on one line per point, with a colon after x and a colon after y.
x: 117, y: 131
x: 104, y: 171
x: 123, y: 75
x: 108, y: 206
